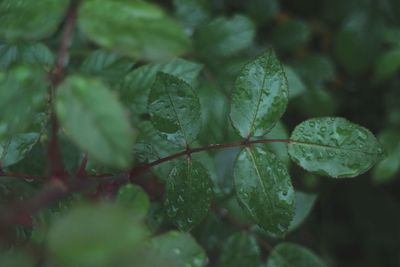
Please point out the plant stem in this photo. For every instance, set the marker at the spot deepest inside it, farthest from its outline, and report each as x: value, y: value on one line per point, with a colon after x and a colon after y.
x: 56, y: 167
x: 141, y: 168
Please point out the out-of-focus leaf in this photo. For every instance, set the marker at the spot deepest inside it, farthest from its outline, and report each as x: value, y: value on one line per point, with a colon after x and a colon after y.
x: 290, y: 34
x: 30, y: 20
x: 334, y: 147
x: 192, y: 13
x: 388, y: 65
x: 23, y: 92
x: 387, y: 169
x: 292, y: 255
x: 134, y: 28
x: 296, y: 85
x: 224, y: 37
x: 32, y: 54
x: 106, y: 65
x: 134, y: 199
x: 241, y: 249
x: 95, y: 120
x: 180, y: 247
x: 90, y: 236
x: 304, y: 204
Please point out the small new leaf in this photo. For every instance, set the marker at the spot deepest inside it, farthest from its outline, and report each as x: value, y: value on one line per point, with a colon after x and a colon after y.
x: 334, y: 147
x: 260, y: 96
x: 264, y: 189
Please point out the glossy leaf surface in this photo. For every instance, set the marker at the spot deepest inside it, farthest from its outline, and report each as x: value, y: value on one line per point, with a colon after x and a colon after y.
x: 334, y: 147
x: 29, y: 19
x: 95, y: 120
x: 264, y: 189
x: 33, y: 54
x: 260, y: 96
x: 292, y: 255
x: 140, y: 30
x: 174, y: 109
x: 188, y: 194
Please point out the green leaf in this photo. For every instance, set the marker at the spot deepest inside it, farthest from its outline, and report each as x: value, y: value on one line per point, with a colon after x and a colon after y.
x: 174, y: 109
x: 241, y: 249
x: 334, y: 147
x: 106, y: 65
x: 304, y: 204
x: 23, y: 92
x: 292, y: 255
x: 136, y: 86
x: 30, y: 20
x: 90, y: 236
x: 260, y: 96
x: 264, y: 189
x: 188, y: 194
x: 32, y: 54
x: 224, y: 37
x: 133, y: 198
x: 296, y: 85
x: 16, y: 259
x: 291, y: 34
x: 140, y: 30
x: 94, y: 119
x: 387, y: 169
x: 262, y: 11
x: 191, y: 12
x: 388, y: 65
x: 315, y: 69
x: 356, y: 44
x: 180, y: 247
x: 279, y: 148
x: 16, y: 147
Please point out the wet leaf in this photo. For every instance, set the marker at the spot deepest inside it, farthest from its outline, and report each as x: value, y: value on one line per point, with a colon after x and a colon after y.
x: 174, y: 109
x: 292, y: 255
x: 241, y: 249
x: 260, y: 96
x: 95, y: 120
x: 30, y: 20
x: 264, y: 189
x: 180, y: 247
x: 140, y: 30
x: 334, y: 147
x: 188, y: 194
x: 16, y: 147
